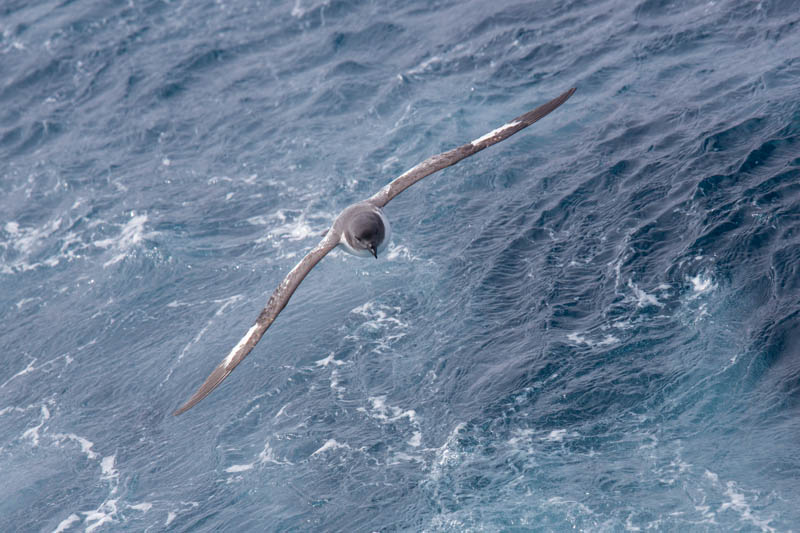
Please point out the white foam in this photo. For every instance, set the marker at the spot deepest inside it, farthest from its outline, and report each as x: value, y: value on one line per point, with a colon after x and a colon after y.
x: 424, y: 65
x: 738, y: 503
x: 335, y: 386
x: 389, y: 163
x: 144, y: 506
x: 328, y: 360
x: 170, y: 517
x: 240, y: 468
x: 578, y: 338
x: 131, y: 234
x: 416, y: 439
x: 28, y: 242
x: 225, y: 303
x: 557, y: 435
x: 382, y: 318
x: 27, y: 370
x: 104, y: 514
x: 563, y: 502
x: 295, y: 229
x: 330, y: 444
x: 399, y: 252
x: 85, y: 444
x: 520, y: 435
x: 33, y: 433
x: 388, y: 413
x: 292, y: 226
x: 64, y: 524
x: 108, y: 472
x: 702, y: 283
x: 31, y: 368
x: 20, y: 304
x: 379, y: 315
x: 12, y: 408
x: 642, y: 298
x: 299, y: 11
x: 267, y: 455
x: 445, y: 454
x: 405, y: 457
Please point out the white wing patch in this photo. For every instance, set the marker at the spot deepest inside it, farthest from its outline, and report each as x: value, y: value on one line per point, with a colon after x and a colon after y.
x: 241, y: 343
x: 494, y: 132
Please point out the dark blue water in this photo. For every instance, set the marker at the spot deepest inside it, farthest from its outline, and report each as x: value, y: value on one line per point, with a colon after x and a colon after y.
x: 594, y: 325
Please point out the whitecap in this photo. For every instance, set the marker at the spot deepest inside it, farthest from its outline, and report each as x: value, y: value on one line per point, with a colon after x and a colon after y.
x: 66, y: 523
x: 379, y: 315
x: 328, y: 360
x: 299, y: 11
x: 104, y: 514
x: 335, y: 386
x: 267, y: 455
x: 27, y: 242
x: 108, y: 471
x: 131, y: 234
x: 225, y: 304
x: 643, y: 299
x: 579, y: 339
x: 424, y: 65
x: 446, y: 453
x: 85, y: 444
x: 556, y: 435
x: 702, y: 283
x: 330, y: 444
x: 144, y: 506
x: 33, y: 433
x: 738, y: 503
x: 240, y: 468
x: 388, y: 413
x: 401, y: 252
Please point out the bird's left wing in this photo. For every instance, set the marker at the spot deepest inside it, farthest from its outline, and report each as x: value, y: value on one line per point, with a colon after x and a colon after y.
x: 276, y: 303
x: 438, y: 162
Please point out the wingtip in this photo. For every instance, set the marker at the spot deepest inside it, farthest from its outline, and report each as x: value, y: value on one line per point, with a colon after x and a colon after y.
x: 568, y: 93
x: 211, y: 383
x: 185, y: 407
x: 182, y: 409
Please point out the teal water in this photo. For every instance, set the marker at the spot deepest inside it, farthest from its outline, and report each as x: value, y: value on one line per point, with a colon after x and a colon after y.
x: 591, y: 326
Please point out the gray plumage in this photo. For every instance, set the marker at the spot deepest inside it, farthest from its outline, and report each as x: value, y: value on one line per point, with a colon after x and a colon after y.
x: 365, y: 229
x: 362, y: 229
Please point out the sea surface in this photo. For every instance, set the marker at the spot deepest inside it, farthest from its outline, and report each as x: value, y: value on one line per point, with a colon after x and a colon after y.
x: 592, y: 326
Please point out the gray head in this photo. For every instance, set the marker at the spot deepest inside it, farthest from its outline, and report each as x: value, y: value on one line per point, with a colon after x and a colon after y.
x: 365, y: 231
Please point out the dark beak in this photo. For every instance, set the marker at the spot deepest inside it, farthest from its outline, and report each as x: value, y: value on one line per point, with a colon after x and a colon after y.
x: 374, y: 251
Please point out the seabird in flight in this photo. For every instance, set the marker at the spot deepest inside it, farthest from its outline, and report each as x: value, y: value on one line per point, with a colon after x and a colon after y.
x: 364, y: 230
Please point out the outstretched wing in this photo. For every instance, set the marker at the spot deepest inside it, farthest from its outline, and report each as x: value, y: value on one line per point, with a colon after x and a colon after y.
x: 276, y: 303
x: 438, y: 162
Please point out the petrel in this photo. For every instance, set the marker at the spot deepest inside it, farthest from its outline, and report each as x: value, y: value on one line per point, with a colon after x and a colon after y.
x: 362, y: 229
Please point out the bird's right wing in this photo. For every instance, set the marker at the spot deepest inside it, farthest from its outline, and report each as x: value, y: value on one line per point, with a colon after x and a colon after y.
x: 276, y: 303
x: 438, y: 162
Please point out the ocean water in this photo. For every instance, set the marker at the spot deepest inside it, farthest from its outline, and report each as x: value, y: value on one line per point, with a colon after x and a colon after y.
x: 592, y: 326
